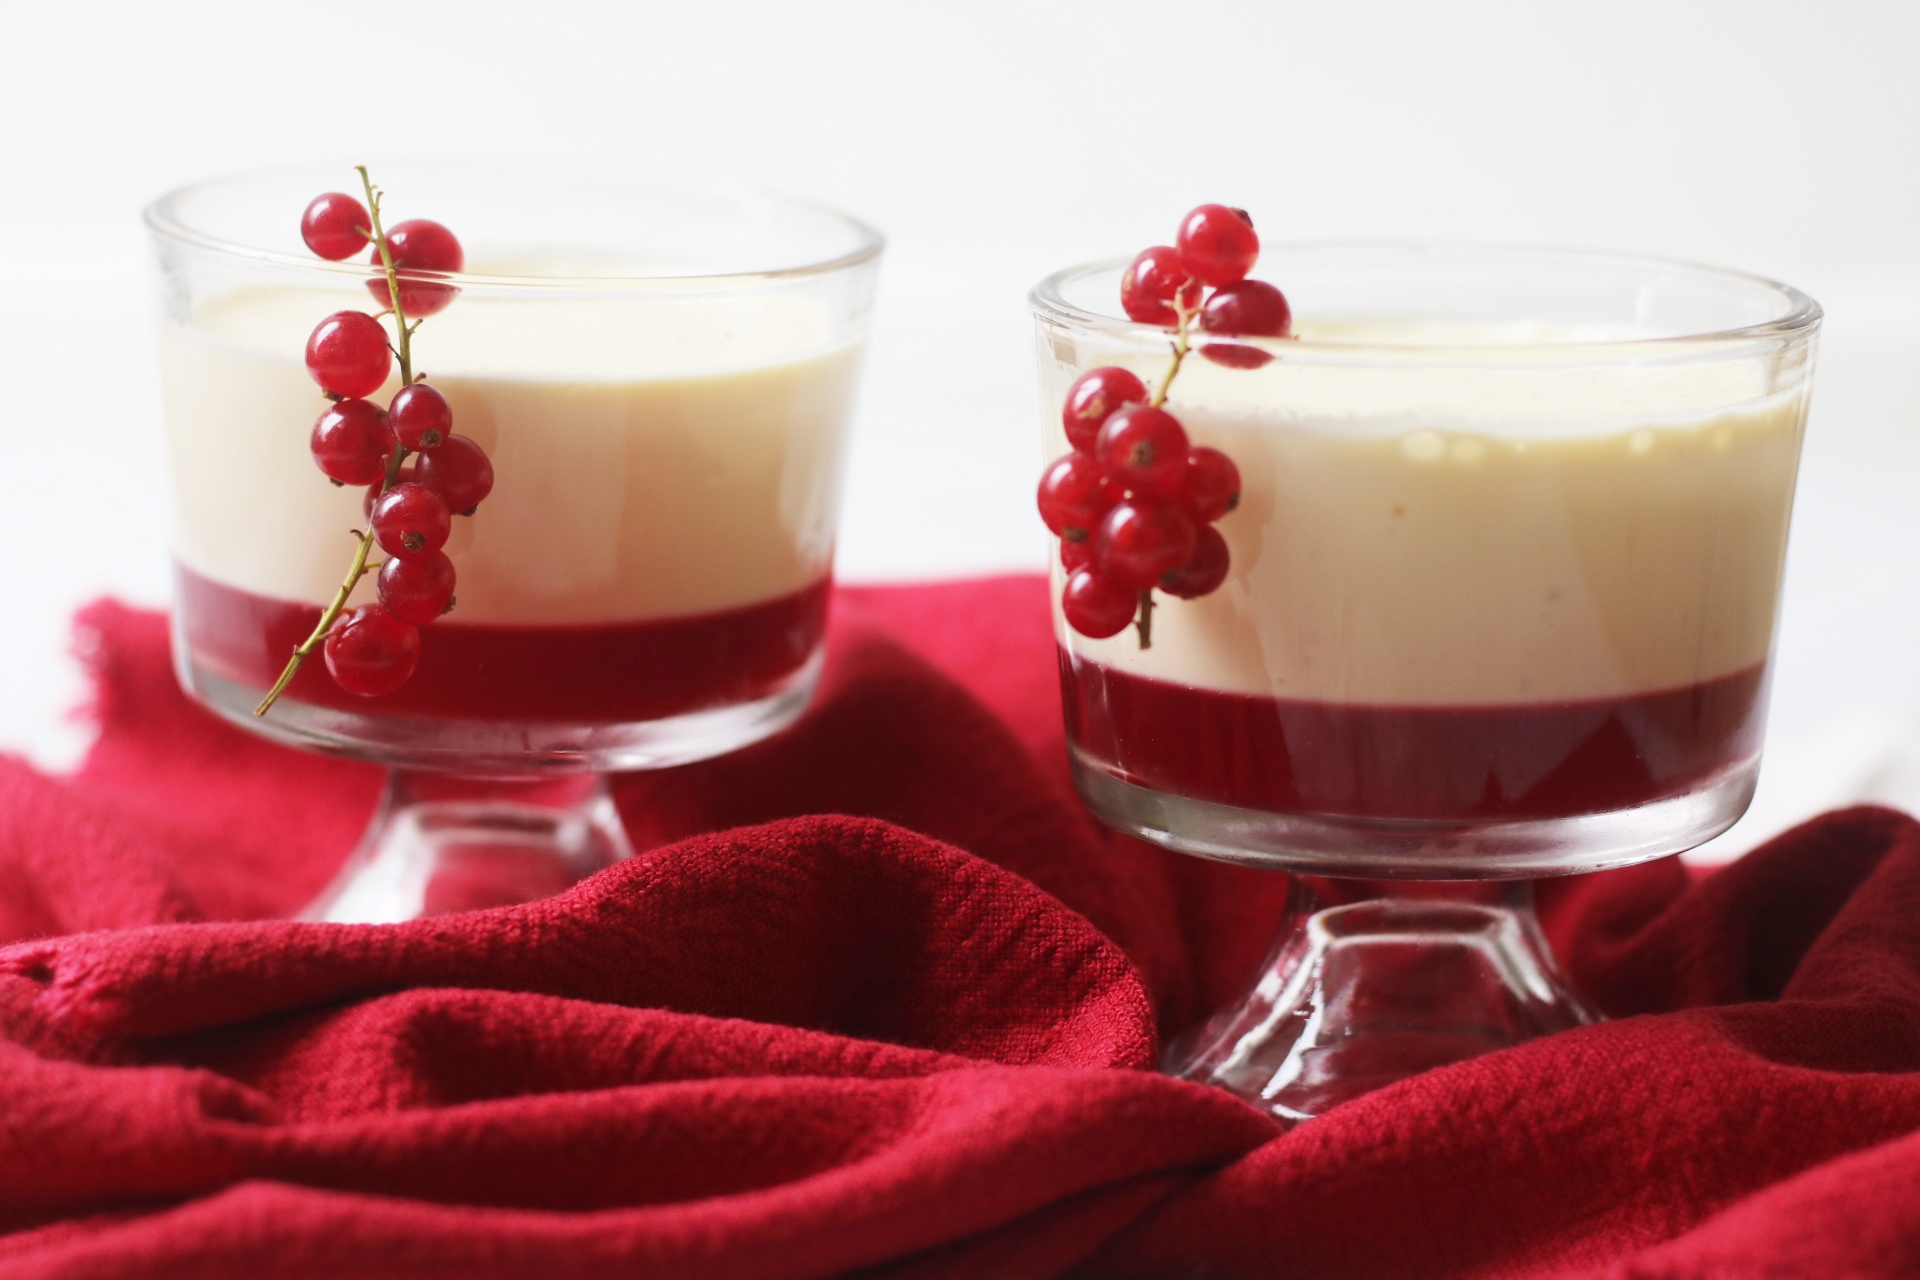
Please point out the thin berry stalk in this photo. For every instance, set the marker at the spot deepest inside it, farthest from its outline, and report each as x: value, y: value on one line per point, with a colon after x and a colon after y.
x: 359, y: 568
x: 1182, y: 344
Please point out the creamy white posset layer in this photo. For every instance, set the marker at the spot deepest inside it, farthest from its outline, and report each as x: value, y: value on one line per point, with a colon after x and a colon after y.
x: 1510, y: 531
x: 650, y: 460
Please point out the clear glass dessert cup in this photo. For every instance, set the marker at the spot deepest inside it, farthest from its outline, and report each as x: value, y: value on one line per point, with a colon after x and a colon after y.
x: 1503, y: 594
x: 661, y: 376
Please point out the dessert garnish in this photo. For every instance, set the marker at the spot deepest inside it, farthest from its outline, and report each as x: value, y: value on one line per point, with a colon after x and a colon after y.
x: 1135, y: 502
x: 418, y: 473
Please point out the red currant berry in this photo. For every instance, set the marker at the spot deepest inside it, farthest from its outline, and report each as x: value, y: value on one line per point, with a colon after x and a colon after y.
x: 336, y: 226
x: 350, y: 442
x: 410, y: 520
x: 1204, y: 570
x: 1149, y: 286
x: 1251, y: 308
x: 348, y: 355
x: 1217, y: 244
x: 419, y: 244
x: 459, y: 472
x: 1096, y: 607
x: 1074, y: 494
x: 418, y: 589
x: 1075, y: 555
x: 1211, y: 487
x: 1093, y: 398
x: 371, y: 652
x: 422, y: 244
x: 420, y: 417
x: 408, y: 474
x: 1140, y: 542
x: 1144, y: 449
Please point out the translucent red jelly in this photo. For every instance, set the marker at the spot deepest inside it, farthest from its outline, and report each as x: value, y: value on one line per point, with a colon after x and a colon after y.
x: 602, y: 673
x: 1501, y: 762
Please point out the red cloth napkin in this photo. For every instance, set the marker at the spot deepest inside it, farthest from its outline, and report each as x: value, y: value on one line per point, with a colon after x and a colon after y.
x: 912, y: 1041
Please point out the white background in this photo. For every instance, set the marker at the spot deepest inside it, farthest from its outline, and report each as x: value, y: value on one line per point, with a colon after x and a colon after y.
x: 995, y: 142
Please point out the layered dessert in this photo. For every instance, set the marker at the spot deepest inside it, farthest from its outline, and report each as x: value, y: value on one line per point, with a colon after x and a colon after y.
x: 1483, y: 589
x: 658, y: 540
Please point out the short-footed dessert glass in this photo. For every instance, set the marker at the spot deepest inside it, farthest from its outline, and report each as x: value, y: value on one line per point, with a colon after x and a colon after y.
x: 1503, y: 592
x: 661, y: 376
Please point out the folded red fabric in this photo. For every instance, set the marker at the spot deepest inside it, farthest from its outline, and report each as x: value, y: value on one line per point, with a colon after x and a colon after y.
x: 879, y: 997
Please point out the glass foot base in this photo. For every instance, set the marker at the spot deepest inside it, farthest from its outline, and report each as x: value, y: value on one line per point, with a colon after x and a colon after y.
x: 1358, y: 996
x: 440, y: 844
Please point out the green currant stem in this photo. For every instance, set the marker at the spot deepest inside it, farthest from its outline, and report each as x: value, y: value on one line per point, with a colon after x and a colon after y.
x: 359, y: 568
x: 400, y: 325
x: 1182, y: 334
x: 1182, y: 344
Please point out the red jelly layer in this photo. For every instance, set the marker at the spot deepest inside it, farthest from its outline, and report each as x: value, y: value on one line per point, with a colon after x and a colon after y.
x: 600, y: 673
x: 1526, y: 760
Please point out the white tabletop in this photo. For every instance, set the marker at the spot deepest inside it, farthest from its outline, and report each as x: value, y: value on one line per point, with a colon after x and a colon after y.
x: 995, y: 142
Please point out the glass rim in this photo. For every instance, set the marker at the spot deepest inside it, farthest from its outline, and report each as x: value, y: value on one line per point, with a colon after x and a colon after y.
x: 162, y: 219
x: 1801, y: 314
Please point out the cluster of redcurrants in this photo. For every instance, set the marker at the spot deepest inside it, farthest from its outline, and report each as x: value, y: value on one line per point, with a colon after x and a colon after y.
x: 1135, y: 502
x: 1204, y: 274
x: 372, y: 650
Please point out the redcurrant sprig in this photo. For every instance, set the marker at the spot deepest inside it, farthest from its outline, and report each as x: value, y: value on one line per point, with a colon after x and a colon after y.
x: 373, y: 650
x: 1135, y: 501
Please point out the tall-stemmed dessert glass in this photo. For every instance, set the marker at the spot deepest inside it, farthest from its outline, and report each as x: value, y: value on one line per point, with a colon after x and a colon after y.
x: 660, y: 378
x: 1502, y: 595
